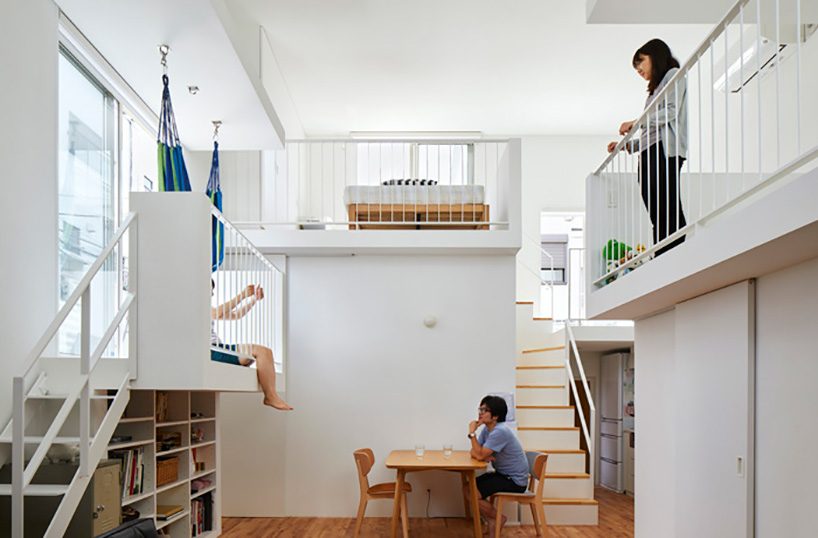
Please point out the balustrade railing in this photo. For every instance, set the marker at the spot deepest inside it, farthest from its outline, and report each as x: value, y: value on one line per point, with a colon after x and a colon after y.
x: 737, y: 113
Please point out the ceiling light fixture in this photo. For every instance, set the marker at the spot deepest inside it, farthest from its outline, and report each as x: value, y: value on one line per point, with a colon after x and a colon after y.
x: 416, y: 135
x: 193, y: 89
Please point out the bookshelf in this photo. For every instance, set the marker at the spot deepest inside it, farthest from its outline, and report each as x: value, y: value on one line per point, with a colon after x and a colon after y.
x: 166, y: 426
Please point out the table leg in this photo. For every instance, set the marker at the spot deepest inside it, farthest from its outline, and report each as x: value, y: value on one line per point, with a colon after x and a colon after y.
x: 464, y: 483
x: 396, y: 507
x: 475, y: 510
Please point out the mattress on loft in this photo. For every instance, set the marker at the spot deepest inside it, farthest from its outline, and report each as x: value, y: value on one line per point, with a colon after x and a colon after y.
x: 413, y: 194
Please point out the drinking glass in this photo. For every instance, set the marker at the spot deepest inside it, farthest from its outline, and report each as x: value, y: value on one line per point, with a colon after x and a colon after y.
x: 419, y: 450
x: 447, y: 451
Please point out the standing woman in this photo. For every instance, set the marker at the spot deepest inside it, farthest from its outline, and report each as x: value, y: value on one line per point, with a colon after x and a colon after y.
x: 662, y: 144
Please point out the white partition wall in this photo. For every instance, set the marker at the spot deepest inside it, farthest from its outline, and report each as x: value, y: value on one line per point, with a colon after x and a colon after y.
x: 694, y: 432
x: 363, y: 370
x: 174, y: 238
x: 787, y: 367
x: 714, y: 378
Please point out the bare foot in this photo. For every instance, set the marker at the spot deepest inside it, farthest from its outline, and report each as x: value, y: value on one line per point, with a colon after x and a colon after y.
x: 490, y: 526
x: 278, y: 403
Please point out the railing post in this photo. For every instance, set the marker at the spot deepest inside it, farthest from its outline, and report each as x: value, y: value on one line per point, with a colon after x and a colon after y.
x: 17, y: 455
x: 133, y: 286
x: 85, y: 368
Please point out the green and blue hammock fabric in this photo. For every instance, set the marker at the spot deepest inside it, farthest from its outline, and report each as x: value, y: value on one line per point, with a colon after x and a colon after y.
x: 214, y: 192
x: 172, y: 171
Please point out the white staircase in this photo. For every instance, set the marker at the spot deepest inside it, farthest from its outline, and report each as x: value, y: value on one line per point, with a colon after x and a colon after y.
x: 546, y: 421
x: 68, y: 401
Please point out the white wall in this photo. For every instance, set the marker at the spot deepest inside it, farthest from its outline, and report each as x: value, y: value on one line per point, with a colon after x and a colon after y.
x: 713, y: 420
x: 240, y: 177
x: 553, y: 179
x: 655, y: 402
x: 28, y: 207
x: 363, y: 370
x: 786, y: 401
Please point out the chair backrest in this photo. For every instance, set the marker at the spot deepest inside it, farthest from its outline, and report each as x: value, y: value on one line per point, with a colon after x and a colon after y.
x: 364, y: 460
x: 536, y: 468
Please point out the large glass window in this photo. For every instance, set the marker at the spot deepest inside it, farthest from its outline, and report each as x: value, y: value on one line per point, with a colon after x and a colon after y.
x: 87, y: 208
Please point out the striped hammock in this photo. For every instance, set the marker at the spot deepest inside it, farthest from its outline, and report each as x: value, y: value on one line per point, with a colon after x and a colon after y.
x: 172, y: 171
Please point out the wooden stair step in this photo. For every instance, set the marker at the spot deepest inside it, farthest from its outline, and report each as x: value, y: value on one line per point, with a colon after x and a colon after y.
x: 561, y: 366
x: 548, y: 428
x: 569, y: 476
x: 542, y: 319
x: 525, y: 302
x: 558, y: 451
x: 544, y: 406
x: 570, y: 501
x: 543, y: 349
x: 37, y: 490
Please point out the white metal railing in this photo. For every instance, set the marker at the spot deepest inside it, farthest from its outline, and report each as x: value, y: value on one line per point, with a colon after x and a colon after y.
x: 90, y: 449
x: 588, y: 424
x: 250, y: 287
x: 576, y: 283
x: 549, y: 282
x: 340, y: 184
x: 739, y: 102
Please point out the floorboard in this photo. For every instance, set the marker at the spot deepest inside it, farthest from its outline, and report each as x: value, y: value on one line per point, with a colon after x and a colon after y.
x: 615, y: 521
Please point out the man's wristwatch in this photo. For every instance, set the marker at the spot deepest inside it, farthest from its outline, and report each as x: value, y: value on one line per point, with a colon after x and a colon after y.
x: 472, y: 435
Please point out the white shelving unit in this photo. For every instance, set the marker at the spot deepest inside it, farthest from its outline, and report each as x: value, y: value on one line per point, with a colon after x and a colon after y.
x: 188, y: 413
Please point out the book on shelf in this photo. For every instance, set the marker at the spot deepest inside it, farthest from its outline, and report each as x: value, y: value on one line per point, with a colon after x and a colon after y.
x: 167, y: 511
x: 201, y: 515
x: 132, y: 470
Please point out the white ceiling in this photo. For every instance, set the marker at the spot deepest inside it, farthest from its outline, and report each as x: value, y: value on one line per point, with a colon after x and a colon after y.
x: 128, y: 32
x: 500, y: 67
x: 658, y: 11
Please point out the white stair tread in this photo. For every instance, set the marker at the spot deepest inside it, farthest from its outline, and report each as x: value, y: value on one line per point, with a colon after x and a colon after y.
x: 573, y: 476
x: 61, y: 396
x: 32, y: 439
x: 543, y: 349
x: 38, y: 490
x: 569, y: 501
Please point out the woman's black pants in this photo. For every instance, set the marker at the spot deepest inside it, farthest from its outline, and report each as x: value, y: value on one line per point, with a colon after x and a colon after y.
x: 659, y: 182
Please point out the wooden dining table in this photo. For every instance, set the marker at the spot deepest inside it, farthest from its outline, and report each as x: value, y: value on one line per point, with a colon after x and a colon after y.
x: 406, y: 461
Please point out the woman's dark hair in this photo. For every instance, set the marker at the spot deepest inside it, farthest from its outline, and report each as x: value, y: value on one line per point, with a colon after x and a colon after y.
x: 496, y: 406
x: 661, y: 60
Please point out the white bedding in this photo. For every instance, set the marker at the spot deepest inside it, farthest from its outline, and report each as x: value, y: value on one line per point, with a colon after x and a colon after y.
x: 413, y: 194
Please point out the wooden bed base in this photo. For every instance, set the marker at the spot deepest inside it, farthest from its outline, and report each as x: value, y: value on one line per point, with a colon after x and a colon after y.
x: 404, y: 215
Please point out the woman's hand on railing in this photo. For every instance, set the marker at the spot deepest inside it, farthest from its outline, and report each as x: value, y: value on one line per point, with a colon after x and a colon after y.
x: 259, y: 293
x: 612, y: 146
x: 626, y: 127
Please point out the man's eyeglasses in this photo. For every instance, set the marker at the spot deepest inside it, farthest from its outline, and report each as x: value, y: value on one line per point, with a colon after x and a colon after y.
x: 483, y: 409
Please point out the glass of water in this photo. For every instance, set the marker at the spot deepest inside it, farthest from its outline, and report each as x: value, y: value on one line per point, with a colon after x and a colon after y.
x: 419, y: 450
x: 447, y: 451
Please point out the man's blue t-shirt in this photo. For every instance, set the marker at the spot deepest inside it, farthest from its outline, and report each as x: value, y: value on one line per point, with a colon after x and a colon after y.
x: 509, y: 456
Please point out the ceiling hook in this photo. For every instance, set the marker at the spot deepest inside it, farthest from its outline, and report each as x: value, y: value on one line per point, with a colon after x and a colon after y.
x: 216, y: 125
x: 163, y: 51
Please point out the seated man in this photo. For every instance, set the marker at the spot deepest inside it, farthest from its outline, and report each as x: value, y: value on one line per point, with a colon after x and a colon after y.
x: 498, y: 444
x: 237, y: 308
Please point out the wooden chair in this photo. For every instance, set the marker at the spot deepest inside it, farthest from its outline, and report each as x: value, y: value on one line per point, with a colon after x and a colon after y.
x: 532, y: 497
x: 364, y: 460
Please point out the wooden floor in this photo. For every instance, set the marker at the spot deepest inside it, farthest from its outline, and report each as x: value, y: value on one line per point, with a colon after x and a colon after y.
x: 615, y: 521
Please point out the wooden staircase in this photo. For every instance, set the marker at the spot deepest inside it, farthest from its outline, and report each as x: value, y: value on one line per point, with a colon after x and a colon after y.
x: 547, y: 423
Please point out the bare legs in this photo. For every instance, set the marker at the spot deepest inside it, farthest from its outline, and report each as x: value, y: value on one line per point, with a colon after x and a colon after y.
x: 267, y: 377
x: 487, y: 510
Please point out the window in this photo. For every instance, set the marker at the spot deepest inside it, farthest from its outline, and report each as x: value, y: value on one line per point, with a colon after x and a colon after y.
x: 553, y: 267
x: 86, y: 175
x: 448, y: 164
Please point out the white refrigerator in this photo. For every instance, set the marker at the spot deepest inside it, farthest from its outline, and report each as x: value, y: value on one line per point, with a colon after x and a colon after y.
x: 611, y: 448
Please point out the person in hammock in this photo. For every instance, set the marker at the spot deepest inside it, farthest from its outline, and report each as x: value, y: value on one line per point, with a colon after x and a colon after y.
x: 235, y: 309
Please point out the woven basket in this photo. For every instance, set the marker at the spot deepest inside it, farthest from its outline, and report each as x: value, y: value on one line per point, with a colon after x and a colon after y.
x: 167, y: 471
